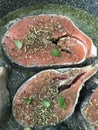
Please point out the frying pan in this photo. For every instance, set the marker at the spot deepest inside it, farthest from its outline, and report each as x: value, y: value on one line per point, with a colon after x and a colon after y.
x: 17, y: 75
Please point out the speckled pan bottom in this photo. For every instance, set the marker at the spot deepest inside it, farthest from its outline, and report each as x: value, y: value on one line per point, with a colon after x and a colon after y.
x: 87, y: 23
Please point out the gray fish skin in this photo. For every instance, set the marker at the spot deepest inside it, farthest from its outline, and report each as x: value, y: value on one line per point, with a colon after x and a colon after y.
x: 4, y: 94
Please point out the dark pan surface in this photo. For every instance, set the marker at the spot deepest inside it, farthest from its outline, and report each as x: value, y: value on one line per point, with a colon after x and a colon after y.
x: 90, y: 6
x: 17, y: 76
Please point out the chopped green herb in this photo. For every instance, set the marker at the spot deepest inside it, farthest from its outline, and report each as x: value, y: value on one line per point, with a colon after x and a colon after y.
x: 18, y: 44
x: 61, y: 102
x: 29, y: 100
x: 40, y: 31
x: 45, y: 103
x: 56, y: 53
